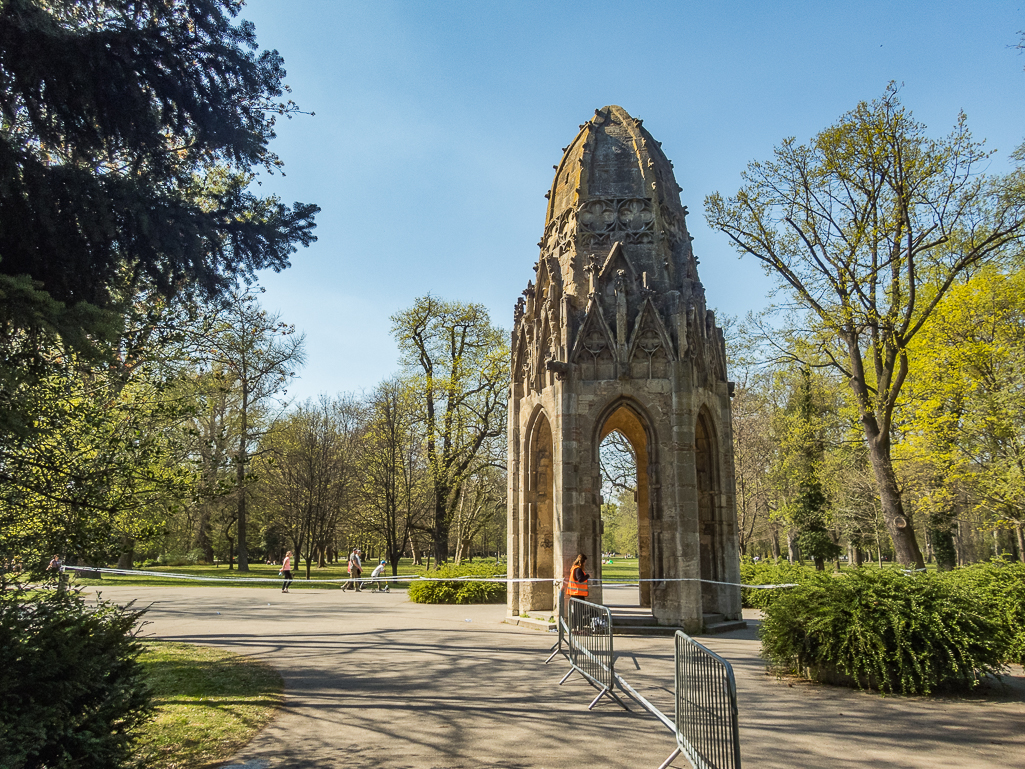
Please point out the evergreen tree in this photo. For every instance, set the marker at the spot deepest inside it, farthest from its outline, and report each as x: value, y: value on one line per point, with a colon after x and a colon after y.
x: 809, y: 514
x: 129, y: 133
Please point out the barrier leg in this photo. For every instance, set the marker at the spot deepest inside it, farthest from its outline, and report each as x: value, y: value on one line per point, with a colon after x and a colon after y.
x: 668, y: 761
x: 600, y: 695
x: 566, y: 677
x: 555, y: 650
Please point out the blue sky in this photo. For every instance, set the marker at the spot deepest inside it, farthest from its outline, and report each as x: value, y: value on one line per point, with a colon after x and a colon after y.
x: 437, y: 125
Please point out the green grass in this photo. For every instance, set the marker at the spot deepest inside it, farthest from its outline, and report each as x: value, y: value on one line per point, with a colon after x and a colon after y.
x: 209, y: 704
x: 620, y: 568
x: 332, y: 571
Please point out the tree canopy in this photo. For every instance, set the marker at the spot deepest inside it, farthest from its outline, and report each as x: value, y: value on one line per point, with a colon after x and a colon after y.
x: 867, y: 227
x: 129, y: 134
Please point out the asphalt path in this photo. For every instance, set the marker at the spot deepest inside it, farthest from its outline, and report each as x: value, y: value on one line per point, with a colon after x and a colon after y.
x: 372, y: 680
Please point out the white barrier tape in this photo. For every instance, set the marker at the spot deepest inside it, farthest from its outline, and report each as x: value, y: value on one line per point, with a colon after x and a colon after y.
x: 196, y: 578
x: 408, y: 578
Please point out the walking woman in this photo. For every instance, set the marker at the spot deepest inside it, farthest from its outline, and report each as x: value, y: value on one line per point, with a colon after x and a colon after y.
x: 286, y: 569
x: 577, y: 587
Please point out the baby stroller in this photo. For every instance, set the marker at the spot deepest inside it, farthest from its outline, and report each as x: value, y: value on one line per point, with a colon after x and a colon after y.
x: 377, y: 585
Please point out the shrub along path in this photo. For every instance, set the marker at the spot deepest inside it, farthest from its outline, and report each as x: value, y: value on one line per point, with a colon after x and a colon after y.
x: 375, y: 681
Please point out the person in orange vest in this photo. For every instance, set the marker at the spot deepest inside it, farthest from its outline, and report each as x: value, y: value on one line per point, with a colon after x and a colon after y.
x: 577, y: 587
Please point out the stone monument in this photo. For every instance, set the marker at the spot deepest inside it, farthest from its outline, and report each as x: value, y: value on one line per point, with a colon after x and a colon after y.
x: 613, y: 334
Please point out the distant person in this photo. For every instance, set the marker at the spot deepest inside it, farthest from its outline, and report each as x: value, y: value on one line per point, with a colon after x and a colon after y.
x: 56, y: 564
x: 286, y: 571
x: 577, y: 587
x: 355, y: 567
x: 375, y: 576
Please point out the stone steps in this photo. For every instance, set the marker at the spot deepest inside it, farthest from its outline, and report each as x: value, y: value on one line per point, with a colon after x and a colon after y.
x: 635, y: 621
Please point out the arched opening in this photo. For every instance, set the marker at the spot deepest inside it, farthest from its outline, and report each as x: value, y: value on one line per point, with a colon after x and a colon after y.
x: 624, y: 447
x: 706, y: 453
x: 540, y: 515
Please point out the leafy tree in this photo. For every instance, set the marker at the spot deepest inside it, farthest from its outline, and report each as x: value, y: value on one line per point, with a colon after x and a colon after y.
x: 129, y: 134
x: 129, y: 131
x: 257, y: 354
x: 867, y: 227
x: 96, y: 470
x: 394, y: 486
x: 307, y: 470
x: 967, y: 402
x: 810, y: 507
x: 481, y: 500
x: 459, y: 367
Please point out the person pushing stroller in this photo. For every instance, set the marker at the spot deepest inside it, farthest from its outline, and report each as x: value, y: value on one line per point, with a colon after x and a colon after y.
x: 377, y: 584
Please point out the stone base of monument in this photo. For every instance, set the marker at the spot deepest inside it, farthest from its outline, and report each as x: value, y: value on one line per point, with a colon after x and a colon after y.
x: 634, y: 620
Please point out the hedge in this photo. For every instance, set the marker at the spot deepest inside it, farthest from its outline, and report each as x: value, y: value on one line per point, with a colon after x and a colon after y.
x: 769, y: 573
x: 433, y: 591
x: 907, y: 633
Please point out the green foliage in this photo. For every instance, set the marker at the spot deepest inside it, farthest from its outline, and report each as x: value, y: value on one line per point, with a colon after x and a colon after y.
x: 999, y: 585
x: 71, y: 687
x: 906, y: 633
x: 131, y: 131
x: 966, y: 404
x: 619, y: 519
x: 430, y: 591
x: 769, y: 573
x: 191, y: 558
x: 819, y: 215
x: 97, y: 463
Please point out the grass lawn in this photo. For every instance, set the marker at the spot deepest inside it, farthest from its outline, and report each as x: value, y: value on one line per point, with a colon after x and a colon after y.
x: 620, y: 568
x: 256, y: 570
x: 209, y: 703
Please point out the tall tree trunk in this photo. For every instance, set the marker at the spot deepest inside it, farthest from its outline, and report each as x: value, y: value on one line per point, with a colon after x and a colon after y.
x: 243, y: 460
x: 855, y: 557
x: 898, y: 523
x: 441, y: 524
x: 1019, y: 530
x: 202, y: 540
x: 792, y: 550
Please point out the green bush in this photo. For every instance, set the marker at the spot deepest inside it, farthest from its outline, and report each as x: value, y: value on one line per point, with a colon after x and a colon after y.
x: 907, y: 633
x: 432, y: 591
x: 999, y: 585
x: 72, y: 689
x: 191, y: 558
x: 769, y: 573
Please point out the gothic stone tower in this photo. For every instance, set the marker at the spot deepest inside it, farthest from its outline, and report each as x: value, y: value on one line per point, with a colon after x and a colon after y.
x: 613, y: 334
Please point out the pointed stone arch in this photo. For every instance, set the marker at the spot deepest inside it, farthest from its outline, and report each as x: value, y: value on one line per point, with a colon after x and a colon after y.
x: 706, y: 464
x: 538, y: 519
x: 595, y: 350
x: 629, y: 418
x: 651, y: 348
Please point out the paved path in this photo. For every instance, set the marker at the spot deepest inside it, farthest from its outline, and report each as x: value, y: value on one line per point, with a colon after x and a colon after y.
x: 375, y: 681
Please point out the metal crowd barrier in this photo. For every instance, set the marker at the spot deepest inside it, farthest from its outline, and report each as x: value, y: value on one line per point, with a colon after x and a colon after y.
x: 589, y: 639
x: 707, y: 728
